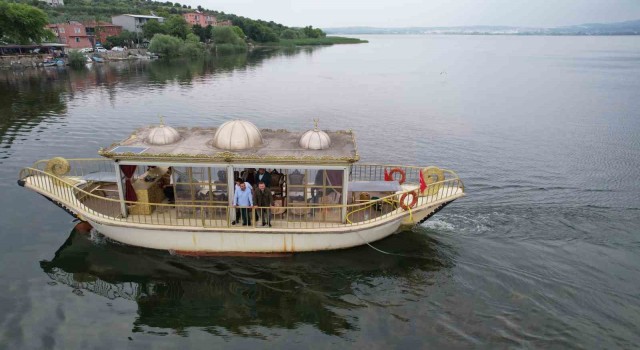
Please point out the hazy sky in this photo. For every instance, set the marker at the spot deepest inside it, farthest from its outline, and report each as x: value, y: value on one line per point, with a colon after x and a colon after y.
x: 428, y: 13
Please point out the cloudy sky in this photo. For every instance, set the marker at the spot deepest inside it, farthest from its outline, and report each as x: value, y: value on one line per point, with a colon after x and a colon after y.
x: 428, y: 13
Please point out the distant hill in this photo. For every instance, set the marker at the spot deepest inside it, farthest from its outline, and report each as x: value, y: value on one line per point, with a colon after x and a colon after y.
x: 619, y: 28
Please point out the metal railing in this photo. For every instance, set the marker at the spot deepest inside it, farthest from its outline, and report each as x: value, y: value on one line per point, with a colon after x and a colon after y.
x: 376, y: 172
x: 85, y: 201
x: 82, y: 166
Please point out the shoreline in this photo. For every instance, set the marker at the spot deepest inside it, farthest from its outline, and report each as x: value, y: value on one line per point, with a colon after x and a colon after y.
x: 326, y: 41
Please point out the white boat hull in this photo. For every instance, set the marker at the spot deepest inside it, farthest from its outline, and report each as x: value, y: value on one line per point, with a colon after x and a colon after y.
x: 242, y: 241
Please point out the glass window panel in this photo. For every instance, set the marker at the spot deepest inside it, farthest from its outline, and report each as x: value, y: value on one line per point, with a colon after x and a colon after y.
x: 296, y: 187
x: 315, y: 187
x: 200, y: 189
x: 217, y: 187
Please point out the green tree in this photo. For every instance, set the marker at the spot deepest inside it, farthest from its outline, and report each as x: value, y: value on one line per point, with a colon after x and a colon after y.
x: 226, y: 35
x: 310, y: 32
x: 152, y: 28
x: 177, y: 26
x: 165, y: 45
x: 291, y: 34
x: 192, y: 38
x: 261, y: 33
x: 200, y: 32
x: 192, y: 49
x: 207, y: 32
x: 126, y: 38
x: 163, y: 12
x: 23, y: 24
x: 227, y: 41
x: 238, y: 32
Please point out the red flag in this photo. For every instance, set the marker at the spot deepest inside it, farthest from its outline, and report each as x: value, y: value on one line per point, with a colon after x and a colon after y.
x: 387, y: 176
x: 423, y: 184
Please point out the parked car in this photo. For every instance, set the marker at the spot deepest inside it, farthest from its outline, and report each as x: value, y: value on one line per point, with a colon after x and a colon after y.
x: 117, y: 48
x: 102, y: 50
x: 86, y: 49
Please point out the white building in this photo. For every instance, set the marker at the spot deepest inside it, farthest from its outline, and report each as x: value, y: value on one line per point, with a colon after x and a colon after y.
x: 54, y: 2
x: 134, y: 23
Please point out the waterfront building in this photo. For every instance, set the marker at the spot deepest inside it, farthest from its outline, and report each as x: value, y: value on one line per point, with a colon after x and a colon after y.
x: 73, y: 34
x: 102, y: 30
x: 202, y: 19
x: 134, y: 23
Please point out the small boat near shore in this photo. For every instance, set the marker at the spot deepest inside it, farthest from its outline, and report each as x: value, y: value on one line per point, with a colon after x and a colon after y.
x: 323, y: 198
x: 55, y: 62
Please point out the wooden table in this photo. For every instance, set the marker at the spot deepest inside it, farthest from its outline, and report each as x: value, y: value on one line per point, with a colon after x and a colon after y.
x: 147, y: 193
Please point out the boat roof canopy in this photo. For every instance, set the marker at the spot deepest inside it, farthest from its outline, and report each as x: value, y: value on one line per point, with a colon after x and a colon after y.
x: 197, y: 145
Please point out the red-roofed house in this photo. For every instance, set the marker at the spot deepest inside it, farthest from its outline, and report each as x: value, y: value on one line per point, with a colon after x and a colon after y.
x: 72, y: 33
x: 102, y: 30
x: 202, y: 19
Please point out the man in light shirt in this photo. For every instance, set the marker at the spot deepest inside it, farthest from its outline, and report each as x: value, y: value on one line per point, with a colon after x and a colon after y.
x: 242, y: 198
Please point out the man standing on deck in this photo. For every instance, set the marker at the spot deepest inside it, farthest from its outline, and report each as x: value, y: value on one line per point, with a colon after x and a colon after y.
x: 264, y: 176
x: 263, y: 198
x: 243, y: 199
x: 236, y: 189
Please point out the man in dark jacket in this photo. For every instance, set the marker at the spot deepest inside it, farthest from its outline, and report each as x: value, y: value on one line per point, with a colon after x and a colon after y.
x: 262, y: 197
x: 264, y: 176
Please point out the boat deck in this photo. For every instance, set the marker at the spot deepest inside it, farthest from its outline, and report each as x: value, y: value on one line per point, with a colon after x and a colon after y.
x: 98, y: 200
x: 195, y: 216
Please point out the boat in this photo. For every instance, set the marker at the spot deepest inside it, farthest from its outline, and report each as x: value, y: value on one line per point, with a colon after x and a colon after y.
x: 323, y: 197
x: 56, y: 62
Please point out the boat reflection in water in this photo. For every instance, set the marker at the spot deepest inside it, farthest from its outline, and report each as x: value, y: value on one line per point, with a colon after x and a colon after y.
x: 235, y: 294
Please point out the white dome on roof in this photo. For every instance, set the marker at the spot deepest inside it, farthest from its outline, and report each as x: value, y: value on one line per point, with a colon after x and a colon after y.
x: 237, y: 135
x: 315, y: 139
x: 162, y: 135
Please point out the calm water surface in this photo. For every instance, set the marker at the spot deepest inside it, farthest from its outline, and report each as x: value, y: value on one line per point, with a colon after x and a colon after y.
x: 544, y: 251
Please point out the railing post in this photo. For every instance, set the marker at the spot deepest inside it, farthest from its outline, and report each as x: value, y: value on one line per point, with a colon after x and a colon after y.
x: 123, y: 206
x: 231, y: 189
x: 345, y: 193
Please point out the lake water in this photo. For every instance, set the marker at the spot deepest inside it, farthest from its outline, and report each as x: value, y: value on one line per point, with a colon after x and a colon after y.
x: 543, y: 252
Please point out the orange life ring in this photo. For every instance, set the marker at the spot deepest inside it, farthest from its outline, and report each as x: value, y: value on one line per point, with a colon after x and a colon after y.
x: 403, y: 175
x: 414, y: 200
